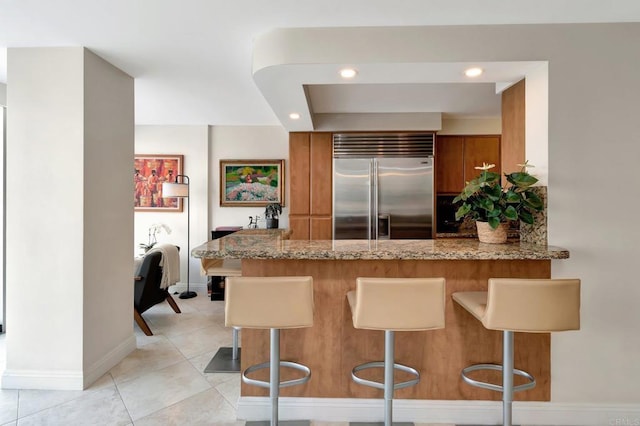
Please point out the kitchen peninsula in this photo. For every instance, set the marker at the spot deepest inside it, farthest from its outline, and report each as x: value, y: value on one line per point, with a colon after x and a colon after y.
x: 332, y: 347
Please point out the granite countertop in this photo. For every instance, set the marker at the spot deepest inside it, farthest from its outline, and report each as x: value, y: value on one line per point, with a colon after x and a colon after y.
x: 275, y: 244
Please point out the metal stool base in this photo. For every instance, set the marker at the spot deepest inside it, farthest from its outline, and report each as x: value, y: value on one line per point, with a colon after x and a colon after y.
x: 223, y: 362
x: 507, y: 389
x: 495, y: 367
x: 389, y: 366
x: 287, y: 364
x: 380, y: 385
x: 274, y: 384
x: 226, y: 360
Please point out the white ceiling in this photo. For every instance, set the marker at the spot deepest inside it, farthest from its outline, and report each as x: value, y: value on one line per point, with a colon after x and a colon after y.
x: 192, y: 59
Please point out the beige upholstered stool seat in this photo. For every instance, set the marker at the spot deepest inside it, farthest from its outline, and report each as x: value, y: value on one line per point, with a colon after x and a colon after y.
x: 269, y: 302
x: 399, y: 304
x: 227, y: 359
x: 526, y: 305
x: 274, y: 303
x: 520, y: 305
x: 395, y: 304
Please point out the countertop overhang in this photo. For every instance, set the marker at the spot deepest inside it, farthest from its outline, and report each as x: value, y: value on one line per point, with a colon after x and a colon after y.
x: 275, y: 244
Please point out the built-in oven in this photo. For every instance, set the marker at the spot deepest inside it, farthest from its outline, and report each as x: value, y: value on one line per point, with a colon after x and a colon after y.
x: 446, y: 214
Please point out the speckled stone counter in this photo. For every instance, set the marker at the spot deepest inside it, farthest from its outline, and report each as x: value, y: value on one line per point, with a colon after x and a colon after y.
x: 332, y: 347
x: 274, y: 244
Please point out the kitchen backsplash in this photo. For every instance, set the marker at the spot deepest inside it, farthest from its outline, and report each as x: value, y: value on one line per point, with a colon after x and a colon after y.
x: 536, y: 233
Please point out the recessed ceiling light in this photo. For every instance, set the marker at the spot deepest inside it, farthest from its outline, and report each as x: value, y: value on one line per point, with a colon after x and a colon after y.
x: 294, y: 116
x: 348, y: 73
x: 473, y: 72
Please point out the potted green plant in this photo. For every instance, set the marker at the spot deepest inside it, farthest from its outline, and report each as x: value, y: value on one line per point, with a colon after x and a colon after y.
x: 272, y: 214
x: 491, y: 206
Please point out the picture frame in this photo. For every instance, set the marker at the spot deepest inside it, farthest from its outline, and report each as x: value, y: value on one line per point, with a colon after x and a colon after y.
x: 149, y: 172
x: 251, y: 183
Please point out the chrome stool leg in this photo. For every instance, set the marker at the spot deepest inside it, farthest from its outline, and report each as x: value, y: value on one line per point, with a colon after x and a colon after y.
x: 234, y: 348
x: 274, y: 375
x: 388, y: 386
x: 507, y: 378
x: 507, y: 388
x: 389, y: 352
x: 274, y: 364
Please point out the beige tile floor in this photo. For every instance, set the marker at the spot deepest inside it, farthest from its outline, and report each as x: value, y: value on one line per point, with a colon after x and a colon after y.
x: 161, y: 383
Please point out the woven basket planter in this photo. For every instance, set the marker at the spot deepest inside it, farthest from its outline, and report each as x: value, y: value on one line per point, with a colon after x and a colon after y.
x: 486, y: 234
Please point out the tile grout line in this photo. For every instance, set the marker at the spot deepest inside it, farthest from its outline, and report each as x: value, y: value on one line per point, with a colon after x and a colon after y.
x: 121, y: 399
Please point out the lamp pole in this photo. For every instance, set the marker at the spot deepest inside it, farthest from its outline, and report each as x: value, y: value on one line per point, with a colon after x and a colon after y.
x: 187, y: 294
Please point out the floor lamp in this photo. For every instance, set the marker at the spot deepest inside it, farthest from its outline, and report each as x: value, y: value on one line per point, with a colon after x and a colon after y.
x: 181, y: 190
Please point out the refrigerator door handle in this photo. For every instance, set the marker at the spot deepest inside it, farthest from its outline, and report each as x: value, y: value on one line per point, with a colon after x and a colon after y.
x: 373, y: 214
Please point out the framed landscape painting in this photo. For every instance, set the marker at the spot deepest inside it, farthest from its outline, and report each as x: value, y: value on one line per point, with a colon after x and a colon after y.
x: 149, y: 172
x: 251, y: 182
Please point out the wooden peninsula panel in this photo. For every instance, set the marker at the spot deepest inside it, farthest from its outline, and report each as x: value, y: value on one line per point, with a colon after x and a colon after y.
x: 332, y: 347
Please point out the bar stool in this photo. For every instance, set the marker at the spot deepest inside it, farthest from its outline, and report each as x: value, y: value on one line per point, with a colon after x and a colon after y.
x: 395, y: 304
x: 520, y: 305
x: 227, y: 359
x: 272, y: 303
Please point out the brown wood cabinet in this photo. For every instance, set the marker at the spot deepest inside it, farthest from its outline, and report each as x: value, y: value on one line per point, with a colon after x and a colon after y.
x: 299, y: 174
x: 513, y: 128
x: 310, y: 177
x: 449, y: 164
x: 457, y: 157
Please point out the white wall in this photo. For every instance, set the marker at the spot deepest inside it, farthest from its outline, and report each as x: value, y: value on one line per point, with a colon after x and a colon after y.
x: 537, y: 122
x: 3, y: 102
x: 69, y: 225
x: 471, y: 126
x: 44, y: 217
x: 3, y: 111
x: 250, y: 143
x: 193, y: 143
x: 363, y: 122
x: 593, y: 154
x: 108, y: 217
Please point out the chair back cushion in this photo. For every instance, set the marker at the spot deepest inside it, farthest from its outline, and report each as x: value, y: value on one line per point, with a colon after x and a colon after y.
x: 269, y: 302
x: 398, y: 303
x: 147, y: 291
x: 533, y: 305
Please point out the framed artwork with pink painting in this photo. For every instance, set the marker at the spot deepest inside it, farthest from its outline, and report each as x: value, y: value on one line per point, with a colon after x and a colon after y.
x: 251, y: 182
x: 149, y: 172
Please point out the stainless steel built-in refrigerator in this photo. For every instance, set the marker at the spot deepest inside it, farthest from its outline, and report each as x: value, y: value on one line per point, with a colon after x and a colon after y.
x: 383, y: 186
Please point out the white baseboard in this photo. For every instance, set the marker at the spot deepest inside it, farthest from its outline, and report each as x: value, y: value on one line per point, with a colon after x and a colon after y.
x: 70, y: 379
x: 427, y: 411
x: 39, y: 379
x: 110, y: 360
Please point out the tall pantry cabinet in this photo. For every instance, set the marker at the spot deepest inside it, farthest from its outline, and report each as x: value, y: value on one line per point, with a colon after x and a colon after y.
x: 311, y: 185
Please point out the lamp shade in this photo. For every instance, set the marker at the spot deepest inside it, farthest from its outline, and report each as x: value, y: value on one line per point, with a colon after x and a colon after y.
x: 175, y: 190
